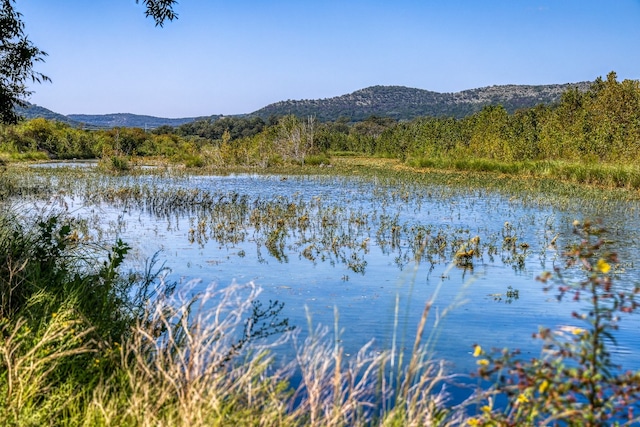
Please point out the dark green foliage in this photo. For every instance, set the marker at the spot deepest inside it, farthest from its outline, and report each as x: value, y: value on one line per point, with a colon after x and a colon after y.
x: 42, y: 268
x: 17, y: 59
x: 403, y: 103
x: 214, y: 128
x: 50, y: 138
x: 128, y: 141
x: 160, y: 10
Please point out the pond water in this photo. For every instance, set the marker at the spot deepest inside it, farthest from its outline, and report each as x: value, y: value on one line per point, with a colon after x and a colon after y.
x: 371, y: 250
x: 75, y: 163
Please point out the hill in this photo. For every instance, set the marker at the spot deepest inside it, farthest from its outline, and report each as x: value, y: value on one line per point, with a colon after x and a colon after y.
x: 128, y: 120
x: 403, y: 103
x: 32, y: 111
x: 398, y: 102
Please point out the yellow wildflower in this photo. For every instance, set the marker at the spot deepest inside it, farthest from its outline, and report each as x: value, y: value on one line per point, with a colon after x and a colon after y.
x: 522, y: 399
x: 603, y: 266
x: 543, y: 387
x: 483, y: 362
x: 486, y: 408
x: 477, y: 351
x: 473, y: 422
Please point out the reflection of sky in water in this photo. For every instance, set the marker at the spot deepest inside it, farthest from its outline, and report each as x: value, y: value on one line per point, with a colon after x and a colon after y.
x: 366, y: 302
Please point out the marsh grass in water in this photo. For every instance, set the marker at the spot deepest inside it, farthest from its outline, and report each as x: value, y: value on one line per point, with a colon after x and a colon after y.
x: 606, y: 175
x: 182, y: 360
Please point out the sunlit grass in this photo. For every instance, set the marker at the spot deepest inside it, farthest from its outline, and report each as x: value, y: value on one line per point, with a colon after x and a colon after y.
x: 191, y: 360
x: 179, y: 362
x: 596, y: 174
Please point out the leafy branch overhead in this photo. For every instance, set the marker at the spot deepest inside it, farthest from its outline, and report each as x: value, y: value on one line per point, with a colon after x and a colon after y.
x: 18, y: 54
x: 160, y: 10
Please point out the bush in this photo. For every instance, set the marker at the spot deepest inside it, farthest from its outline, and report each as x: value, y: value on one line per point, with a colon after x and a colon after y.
x: 317, y: 160
x: 575, y: 382
x: 114, y: 163
x: 194, y: 161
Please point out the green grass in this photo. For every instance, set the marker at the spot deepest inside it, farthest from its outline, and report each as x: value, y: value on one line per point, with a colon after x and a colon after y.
x: 599, y: 174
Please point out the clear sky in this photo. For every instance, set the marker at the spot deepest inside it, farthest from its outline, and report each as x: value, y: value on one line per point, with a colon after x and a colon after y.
x: 232, y: 57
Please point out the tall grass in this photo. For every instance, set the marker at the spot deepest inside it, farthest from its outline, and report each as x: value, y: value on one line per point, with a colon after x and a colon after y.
x: 601, y: 174
x: 185, y: 377
x: 73, y: 351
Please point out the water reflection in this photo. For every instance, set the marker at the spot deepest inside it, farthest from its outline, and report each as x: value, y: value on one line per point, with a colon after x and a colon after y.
x: 377, y: 252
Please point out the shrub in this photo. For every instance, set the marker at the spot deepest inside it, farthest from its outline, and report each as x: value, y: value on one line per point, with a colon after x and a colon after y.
x: 575, y: 381
x: 317, y: 160
x: 114, y: 163
x: 194, y: 161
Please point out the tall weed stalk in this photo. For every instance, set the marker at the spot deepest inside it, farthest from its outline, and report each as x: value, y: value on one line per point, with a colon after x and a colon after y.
x: 575, y: 381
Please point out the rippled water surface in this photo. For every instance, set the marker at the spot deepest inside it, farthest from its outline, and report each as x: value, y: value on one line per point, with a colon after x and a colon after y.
x: 375, y: 251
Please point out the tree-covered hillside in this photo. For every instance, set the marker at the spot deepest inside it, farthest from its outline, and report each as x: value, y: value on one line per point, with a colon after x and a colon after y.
x: 396, y: 102
x: 403, y: 103
x: 128, y: 120
x: 31, y: 111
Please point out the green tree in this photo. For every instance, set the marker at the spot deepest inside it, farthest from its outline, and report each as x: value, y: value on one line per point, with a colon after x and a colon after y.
x: 17, y: 58
x: 18, y: 55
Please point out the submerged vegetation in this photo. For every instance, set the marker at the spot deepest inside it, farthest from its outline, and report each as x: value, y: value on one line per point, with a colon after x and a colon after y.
x: 85, y: 342
x: 86, y: 339
x: 75, y: 351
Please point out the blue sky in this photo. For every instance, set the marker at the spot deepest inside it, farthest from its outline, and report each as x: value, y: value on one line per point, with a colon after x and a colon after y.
x: 232, y: 57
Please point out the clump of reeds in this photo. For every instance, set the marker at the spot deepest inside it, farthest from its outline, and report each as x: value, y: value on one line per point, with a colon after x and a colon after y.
x: 37, y: 386
x: 188, y: 363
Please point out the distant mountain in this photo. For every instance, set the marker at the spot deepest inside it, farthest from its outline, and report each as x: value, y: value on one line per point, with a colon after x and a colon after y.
x: 128, y: 120
x: 403, y: 103
x: 398, y: 102
x: 32, y: 111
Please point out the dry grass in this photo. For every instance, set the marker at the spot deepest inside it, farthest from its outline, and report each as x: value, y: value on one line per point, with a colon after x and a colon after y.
x: 182, y: 368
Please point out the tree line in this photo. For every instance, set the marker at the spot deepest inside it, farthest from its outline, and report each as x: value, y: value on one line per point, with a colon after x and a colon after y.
x: 599, y: 125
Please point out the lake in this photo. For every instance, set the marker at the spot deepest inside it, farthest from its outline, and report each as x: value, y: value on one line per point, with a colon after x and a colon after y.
x: 374, y: 250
